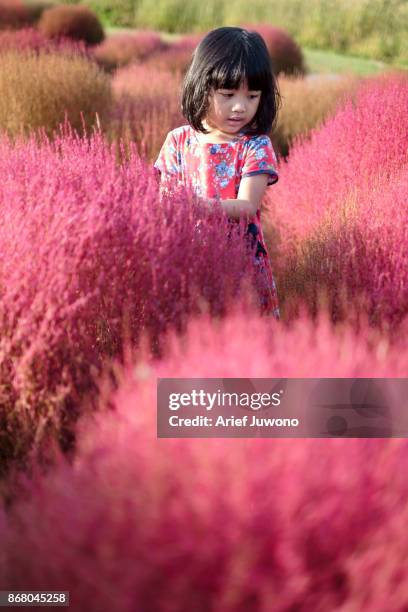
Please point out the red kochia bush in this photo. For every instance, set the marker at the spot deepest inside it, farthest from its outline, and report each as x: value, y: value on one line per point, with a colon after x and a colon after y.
x: 177, y: 56
x: 89, y: 253
x: 122, y: 49
x: 357, y: 149
x: 226, y: 525
x: 340, y: 205
x: 30, y: 39
x: 147, y: 107
x: 77, y: 22
x: 286, y: 55
x: 13, y: 14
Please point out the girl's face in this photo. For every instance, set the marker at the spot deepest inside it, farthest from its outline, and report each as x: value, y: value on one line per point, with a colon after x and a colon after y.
x: 230, y: 110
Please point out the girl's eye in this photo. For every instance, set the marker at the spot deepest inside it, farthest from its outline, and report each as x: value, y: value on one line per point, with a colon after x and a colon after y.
x: 229, y: 95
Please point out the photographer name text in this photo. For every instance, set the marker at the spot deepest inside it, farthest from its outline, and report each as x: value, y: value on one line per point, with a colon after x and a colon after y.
x: 221, y: 421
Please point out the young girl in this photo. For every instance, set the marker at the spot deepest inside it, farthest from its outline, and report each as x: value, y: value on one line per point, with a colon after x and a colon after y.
x: 230, y: 100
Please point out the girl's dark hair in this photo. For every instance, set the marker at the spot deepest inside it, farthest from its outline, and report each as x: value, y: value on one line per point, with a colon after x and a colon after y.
x: 223, y: 60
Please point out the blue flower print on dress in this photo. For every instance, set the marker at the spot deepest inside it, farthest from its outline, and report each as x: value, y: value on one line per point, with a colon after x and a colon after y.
x: 215, y: 148
x: 224, y: 170
x: 262, y: 141
x: 260, y: 153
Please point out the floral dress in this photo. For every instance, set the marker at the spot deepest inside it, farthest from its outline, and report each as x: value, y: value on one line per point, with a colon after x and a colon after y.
x: 215, y: 171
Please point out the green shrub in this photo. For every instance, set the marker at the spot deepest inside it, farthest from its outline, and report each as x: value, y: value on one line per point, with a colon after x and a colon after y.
x: 118, y: 13
x: 76, y: 22
x: 39, y: 90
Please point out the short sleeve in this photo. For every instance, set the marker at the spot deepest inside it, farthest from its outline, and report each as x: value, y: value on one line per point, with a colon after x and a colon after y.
x: 167, y: 162
x: 260, y: 158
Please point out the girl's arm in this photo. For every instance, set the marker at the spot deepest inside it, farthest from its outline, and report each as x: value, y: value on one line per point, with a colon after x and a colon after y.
x: 249, y: 197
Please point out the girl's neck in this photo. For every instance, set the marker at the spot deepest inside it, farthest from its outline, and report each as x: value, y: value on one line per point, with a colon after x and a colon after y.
x: 214, y: 136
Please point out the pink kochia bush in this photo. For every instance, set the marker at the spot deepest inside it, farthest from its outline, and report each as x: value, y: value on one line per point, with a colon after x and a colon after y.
x: 30, y: 39
x: 147, y: 107
x: 177, y: 56
x: 339, y: 210
x: 140, y: 523
x: 90, y: 255
x: 13, y: 14
x: 122, y: 49
x: 285, y: 53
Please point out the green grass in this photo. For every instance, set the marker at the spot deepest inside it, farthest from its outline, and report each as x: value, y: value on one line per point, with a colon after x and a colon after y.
x: 319, y: 61
x: 167, y: 36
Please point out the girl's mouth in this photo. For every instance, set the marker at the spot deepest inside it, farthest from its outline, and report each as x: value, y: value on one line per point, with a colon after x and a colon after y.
x: 235, y: 120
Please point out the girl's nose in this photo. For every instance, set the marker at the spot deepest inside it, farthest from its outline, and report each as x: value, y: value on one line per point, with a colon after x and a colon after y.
x: 238, y: 106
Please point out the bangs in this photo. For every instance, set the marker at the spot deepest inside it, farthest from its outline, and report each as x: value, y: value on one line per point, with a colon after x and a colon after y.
x: 233, y: 70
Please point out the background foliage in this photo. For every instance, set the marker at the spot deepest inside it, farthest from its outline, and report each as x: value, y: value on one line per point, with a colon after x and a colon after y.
x: 371, y: 28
